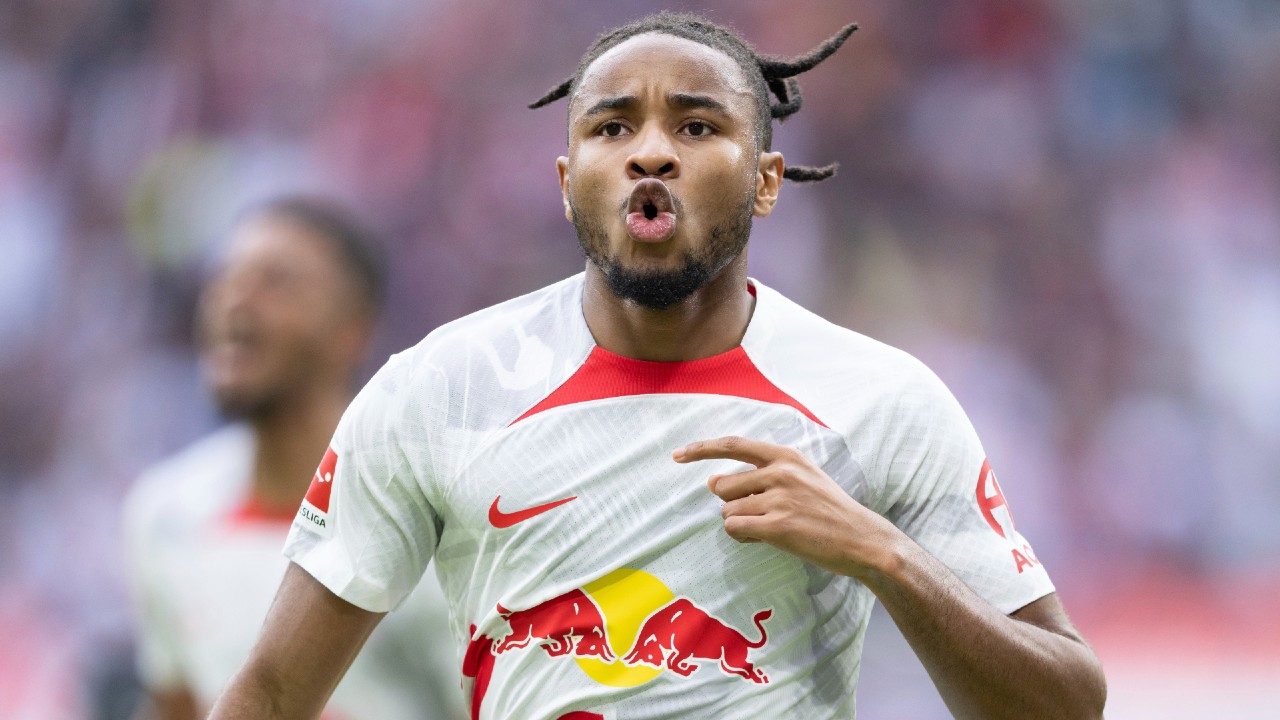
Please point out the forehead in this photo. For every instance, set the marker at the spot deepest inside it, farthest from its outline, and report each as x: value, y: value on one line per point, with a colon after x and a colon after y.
x: 660, y: 61
x: 277, y: 240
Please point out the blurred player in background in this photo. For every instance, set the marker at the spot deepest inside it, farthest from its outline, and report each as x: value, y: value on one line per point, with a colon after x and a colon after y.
x: 283, y: 327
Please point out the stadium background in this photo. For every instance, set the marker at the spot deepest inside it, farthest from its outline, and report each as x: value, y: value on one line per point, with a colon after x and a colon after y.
x: 1069, y: 208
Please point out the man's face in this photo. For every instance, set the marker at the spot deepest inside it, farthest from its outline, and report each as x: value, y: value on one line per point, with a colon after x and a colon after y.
x: 663, y: 173
x: 274, y: 320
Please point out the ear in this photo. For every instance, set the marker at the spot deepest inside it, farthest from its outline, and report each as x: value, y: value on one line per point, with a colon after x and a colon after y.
x: 768, y: 183
x: 350, y: 340
x: 562, y: 167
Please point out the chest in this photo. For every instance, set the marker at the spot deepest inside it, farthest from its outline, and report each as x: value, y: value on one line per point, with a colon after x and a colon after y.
x: 568, y: 496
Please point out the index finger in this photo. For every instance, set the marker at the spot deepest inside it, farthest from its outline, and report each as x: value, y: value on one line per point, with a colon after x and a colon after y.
x: 755, y: 452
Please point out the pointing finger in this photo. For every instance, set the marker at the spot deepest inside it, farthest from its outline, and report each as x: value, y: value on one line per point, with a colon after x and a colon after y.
x: 755, y: 452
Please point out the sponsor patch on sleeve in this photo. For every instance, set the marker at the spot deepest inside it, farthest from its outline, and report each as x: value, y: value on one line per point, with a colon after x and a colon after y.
x: 314, y: 513
x: 995, y: 510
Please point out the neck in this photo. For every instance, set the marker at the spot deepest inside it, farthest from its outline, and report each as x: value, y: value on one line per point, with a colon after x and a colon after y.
x: 290, y: 443
x: 709, y: 322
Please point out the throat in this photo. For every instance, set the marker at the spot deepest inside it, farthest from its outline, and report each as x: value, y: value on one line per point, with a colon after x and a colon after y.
x: 709, y: 322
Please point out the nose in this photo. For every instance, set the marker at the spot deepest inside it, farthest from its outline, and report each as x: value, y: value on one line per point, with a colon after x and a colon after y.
x: 654, y: 155
x: 236, y: 291
x: 233, y: 294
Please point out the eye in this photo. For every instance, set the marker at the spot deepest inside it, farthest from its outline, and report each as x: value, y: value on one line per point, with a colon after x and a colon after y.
x: 697, y: 128
x: 278, y: 279
x: 613, y: 128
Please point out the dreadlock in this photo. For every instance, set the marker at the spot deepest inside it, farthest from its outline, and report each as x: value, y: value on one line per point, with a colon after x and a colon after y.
x: 767, y: 75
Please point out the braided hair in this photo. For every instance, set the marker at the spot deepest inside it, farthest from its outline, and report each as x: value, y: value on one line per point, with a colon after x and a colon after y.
x: 767, y: 75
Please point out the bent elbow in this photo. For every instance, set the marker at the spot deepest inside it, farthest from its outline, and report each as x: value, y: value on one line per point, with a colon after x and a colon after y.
x: 1093, y: 691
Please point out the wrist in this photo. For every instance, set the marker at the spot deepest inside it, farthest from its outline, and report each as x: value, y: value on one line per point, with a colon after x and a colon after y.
x: 886, y: 558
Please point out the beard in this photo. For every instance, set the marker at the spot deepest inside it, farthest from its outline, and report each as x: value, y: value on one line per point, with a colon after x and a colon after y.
x: 660, y: 289
x: 244, y: 404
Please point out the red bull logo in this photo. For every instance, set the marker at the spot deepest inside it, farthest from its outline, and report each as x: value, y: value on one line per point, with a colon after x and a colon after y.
x: 682, y: 631
x: 626, y: 628
x: 557, y: 624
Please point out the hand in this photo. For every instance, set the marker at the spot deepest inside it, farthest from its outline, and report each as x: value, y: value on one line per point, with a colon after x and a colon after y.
x: 788, y: 502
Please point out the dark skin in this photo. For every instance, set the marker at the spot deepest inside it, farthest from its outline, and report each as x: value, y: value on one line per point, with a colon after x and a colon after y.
x: 985, y: 664
x: 282, y: 329
x: 706, y: 155
x: 630, y: 120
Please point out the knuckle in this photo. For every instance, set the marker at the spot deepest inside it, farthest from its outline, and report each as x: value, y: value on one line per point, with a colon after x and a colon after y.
x: 787, y: 469
x: 794, y: 457
x: 779, y: 520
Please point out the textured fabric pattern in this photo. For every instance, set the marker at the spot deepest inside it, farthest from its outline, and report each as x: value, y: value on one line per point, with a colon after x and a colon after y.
x: 629, y: 600
x: 205, y: 567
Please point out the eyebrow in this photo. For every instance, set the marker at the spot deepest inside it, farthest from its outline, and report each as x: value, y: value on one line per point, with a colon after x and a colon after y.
x: 688, y: 101
x: 680, y: 100
x: 620, y: 102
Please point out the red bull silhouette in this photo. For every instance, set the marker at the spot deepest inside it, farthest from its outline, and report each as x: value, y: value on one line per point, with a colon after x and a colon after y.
x: 555, y: 624
x: 681, y: 631
x: 477, y: 665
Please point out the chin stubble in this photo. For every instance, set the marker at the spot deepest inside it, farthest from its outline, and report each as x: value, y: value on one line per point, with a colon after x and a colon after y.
x: 660, y: 289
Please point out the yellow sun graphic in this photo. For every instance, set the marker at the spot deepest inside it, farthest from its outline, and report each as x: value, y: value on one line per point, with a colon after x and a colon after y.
x: 626, y: 597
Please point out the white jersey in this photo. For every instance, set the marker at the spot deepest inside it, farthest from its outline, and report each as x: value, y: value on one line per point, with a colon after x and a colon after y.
x: 588, y: 574
x: 205, y: 564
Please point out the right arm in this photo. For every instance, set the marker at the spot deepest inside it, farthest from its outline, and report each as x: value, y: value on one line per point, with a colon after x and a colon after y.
x: 306, y: 645
x: 169, y: 704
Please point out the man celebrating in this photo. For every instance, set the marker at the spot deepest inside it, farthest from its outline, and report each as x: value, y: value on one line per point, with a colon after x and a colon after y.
x: 284, y: 326
x: 659, y: 489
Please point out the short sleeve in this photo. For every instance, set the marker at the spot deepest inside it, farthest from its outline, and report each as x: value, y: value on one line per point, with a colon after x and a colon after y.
x: 942, y: 492
x: 366, y: 529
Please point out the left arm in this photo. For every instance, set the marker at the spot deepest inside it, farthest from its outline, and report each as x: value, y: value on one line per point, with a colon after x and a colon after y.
x: 985, y: 664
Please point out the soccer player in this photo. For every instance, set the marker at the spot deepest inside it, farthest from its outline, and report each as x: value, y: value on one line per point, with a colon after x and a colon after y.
x: 284, y: 326
x: 659, y: 489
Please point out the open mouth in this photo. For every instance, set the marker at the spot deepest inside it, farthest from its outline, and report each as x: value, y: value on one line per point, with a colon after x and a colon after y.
x: 651, y: 211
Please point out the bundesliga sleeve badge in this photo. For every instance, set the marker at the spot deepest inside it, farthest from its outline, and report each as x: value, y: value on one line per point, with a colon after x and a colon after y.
x: 314, y: 513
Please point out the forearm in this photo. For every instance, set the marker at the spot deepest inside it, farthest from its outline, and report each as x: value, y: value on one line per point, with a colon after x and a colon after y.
x: 985, y: 664
x: 310, y: 638
x: 254, y: 694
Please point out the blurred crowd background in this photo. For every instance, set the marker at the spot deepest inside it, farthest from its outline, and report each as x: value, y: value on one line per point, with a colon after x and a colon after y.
x: 1070, y: 209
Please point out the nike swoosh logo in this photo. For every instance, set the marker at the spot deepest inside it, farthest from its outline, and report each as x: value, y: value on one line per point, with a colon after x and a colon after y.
x: 499, y: 519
